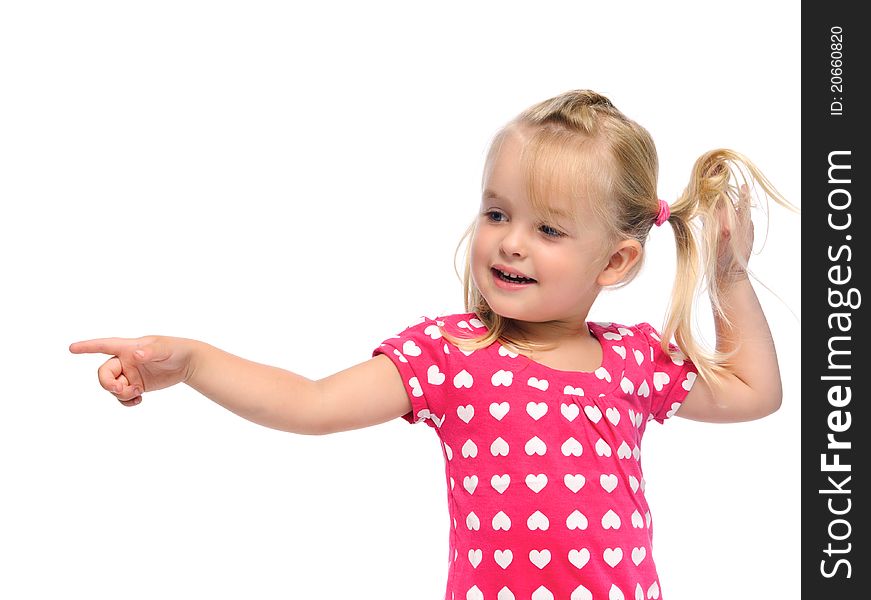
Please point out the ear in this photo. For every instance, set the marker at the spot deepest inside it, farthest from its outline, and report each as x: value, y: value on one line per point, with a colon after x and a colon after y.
x: 623, y: 257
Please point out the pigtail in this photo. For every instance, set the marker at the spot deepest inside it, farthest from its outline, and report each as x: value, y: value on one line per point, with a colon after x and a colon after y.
x: 714, y: 187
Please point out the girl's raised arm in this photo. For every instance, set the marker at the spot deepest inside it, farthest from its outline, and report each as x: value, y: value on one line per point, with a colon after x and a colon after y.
x: 751, y: 387
x: 369, y: 393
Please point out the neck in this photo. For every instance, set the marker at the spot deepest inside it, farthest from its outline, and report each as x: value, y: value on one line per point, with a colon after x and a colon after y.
x: 548, y: 333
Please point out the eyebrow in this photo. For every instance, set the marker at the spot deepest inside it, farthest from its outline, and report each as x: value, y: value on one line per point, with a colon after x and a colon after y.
x: 490, y: 194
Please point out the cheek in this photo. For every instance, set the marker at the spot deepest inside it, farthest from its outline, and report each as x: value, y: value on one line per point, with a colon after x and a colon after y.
x: 476, y: 258
x: 479, y: 254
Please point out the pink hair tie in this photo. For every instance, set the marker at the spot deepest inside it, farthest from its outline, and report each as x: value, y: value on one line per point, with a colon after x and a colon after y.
x: 664, y: 213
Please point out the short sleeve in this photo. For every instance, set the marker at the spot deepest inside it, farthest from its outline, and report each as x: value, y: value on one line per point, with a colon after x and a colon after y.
x: 421, y: 356
x: 672, y: 378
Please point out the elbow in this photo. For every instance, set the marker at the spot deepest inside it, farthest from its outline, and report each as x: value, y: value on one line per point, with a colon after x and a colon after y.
x: 771, y: 402
x: 774, y: 405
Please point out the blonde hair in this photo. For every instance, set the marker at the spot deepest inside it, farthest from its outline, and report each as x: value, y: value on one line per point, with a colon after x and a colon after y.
x: 580, y: 144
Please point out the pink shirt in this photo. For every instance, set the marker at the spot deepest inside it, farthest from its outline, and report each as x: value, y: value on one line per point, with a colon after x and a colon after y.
x: 545, y: 487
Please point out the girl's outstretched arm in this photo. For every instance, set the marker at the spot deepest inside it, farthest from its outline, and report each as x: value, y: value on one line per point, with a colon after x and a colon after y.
x: 366, y: 394
x: 369, y: 393
x: 752, y: 388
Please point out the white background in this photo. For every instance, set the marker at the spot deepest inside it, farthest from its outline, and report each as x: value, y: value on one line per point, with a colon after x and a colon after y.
x: 289, y: 184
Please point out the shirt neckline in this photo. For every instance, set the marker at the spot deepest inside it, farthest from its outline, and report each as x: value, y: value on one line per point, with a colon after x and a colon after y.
x: 611, y: 361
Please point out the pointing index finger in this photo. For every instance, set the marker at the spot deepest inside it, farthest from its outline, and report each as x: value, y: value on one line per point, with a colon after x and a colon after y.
x: 100, y: 345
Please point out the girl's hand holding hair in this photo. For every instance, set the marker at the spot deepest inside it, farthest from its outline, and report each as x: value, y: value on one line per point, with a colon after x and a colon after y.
x: 735, y: 240
x: 139, y: 365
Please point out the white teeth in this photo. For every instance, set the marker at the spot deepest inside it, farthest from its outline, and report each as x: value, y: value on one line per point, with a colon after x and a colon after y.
x: 510, y: 276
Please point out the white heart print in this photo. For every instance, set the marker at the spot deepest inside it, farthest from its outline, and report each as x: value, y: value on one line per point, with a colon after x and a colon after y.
x: 637, y: 520
x: 593, y: 413
x: 620, y: 350
x: 539, y: 558
x: 612, y: 336
x: 613, y: 556
x: 469, y: 449
x: 608, y: 482
x: 579, y: 558
x: 541, y: 593
x: 610, y: 520
x: 501, y: 521
x: 624, y: 331
x: 535, y: 446
x: 615, y: 593
x: 540, y: 384
x: 602, y: 448
x: 472, y: 522
x: 574, y: 482
x: 536, y: 482
x: 500, y: 482
x: 466, y: 412
x: 570, y: 411
x: 416, y: 390
x: 581, y: 593
x: 502, y: 377
x: 463, y: 379
x: 573, y: 391
x: 659, y: 380
x: 399, y: 355
x: 536, y: 410
x: 499, y: 447
x: 613, y: 415
x: 571, y: 447
x: 627, y: 386
x: 638, y: 555
x: 499, y: 410
x: 644, y: 389
x: 503, y: 558
x: 470, y: 483
x: 602, y: 373
x: 475, y: 557
x: 537, y: 520
x: 690, y: 380
x: 653, y: 591
x: 474, y: 593
x: 639, y: 356
x: 624, y: 451
x: 433, y: 331
x: 503, y: 351
x: 434, y: 376
x: 576, y: 520
x: 409, y: 348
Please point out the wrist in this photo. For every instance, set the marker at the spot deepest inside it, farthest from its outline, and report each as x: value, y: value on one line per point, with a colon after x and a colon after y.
x: 195, y: 351
x: 730, y: 276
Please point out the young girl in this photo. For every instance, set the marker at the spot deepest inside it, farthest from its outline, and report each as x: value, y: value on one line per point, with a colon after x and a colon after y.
x: 540, y: 413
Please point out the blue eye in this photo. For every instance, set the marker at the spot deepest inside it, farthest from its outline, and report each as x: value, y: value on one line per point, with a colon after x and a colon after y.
x: 494, y: 215
x: 550, y: 231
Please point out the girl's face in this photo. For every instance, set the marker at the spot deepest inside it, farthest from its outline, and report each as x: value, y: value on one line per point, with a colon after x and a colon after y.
x: 558, y: 261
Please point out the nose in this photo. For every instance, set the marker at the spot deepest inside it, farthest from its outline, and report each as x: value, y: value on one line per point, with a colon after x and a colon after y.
x: 513, y: 242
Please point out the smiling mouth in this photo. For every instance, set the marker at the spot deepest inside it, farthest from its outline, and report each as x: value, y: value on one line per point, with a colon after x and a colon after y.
x: 511, y: 278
